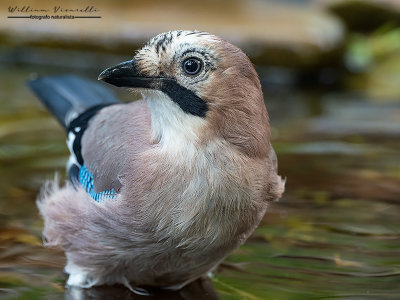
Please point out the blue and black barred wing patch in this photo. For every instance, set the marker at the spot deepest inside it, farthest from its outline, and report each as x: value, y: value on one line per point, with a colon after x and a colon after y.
x: 87, y: 182
x: 77, y: 171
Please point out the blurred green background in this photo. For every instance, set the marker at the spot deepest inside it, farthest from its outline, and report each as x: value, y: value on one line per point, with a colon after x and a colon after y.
x: 330, y: 71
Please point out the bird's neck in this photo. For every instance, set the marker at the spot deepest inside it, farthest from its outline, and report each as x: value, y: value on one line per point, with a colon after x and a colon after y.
x: 170, y: 125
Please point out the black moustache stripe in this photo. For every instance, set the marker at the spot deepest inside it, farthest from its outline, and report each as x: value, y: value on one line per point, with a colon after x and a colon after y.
x: 187, y: 100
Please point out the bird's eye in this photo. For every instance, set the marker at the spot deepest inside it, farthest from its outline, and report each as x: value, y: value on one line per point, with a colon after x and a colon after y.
x: 192, y: 66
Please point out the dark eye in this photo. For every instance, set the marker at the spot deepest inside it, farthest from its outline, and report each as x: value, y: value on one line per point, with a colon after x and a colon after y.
x: 192, y: 66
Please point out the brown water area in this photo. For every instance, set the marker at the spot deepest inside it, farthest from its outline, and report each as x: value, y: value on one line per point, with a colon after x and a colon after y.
x: 334, y: 103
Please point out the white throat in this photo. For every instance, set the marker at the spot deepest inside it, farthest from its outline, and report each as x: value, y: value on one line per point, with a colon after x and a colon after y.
x: 170, y: 125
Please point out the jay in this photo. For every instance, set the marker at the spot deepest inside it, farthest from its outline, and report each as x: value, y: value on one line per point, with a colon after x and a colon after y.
x: 161, y: 189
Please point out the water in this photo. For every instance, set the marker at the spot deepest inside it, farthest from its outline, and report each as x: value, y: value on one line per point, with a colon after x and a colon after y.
x: 334, y: 235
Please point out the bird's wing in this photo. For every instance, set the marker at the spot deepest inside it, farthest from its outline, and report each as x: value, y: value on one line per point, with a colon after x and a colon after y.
x: 115, y: 137
x: 68, y: 96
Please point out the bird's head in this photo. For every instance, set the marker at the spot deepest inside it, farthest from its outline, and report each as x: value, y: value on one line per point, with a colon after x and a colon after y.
x: 198, y: 81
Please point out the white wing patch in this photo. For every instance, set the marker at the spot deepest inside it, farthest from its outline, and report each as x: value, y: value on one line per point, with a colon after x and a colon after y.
x: 70, y: 142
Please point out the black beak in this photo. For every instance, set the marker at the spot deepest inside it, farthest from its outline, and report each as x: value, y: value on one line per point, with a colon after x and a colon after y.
x: 126, y: 74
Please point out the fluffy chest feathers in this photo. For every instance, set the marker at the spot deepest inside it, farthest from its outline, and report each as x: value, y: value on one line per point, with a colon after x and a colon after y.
x: 198, y: 192
x: 200, y: 195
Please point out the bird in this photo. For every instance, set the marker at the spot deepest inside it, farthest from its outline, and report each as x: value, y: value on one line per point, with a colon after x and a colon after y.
x: 161, y: 190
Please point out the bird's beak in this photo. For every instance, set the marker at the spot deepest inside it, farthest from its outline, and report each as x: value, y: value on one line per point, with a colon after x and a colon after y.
x: 126, y: 74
